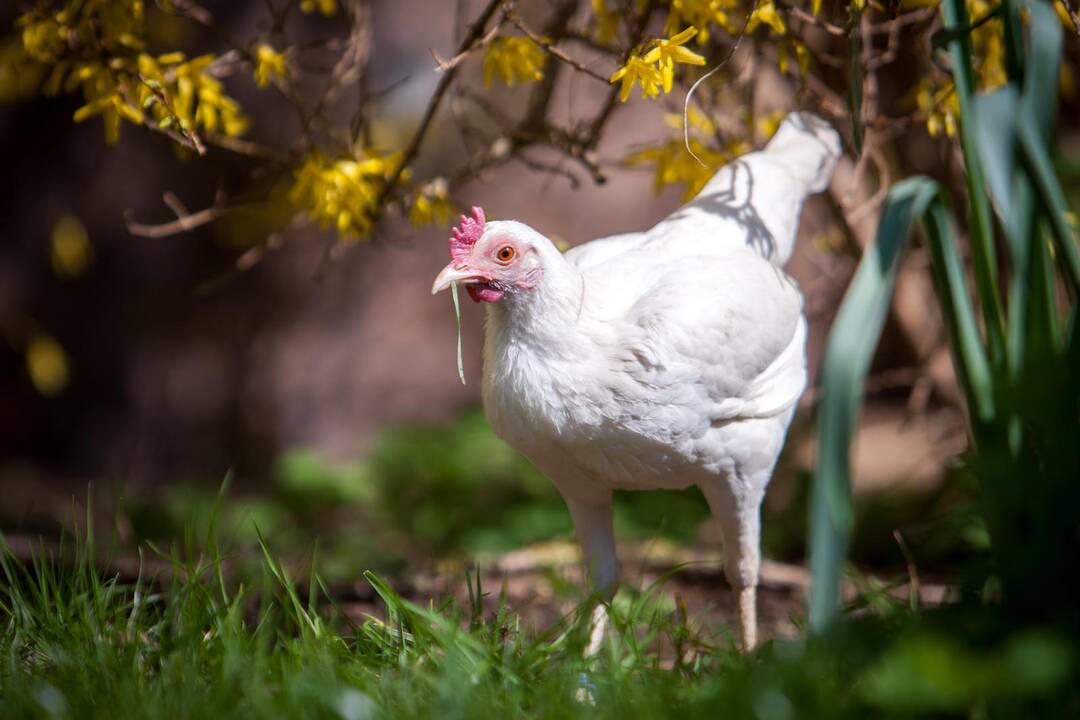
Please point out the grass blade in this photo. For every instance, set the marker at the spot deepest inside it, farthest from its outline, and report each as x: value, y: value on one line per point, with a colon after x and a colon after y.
x: 457, y: 314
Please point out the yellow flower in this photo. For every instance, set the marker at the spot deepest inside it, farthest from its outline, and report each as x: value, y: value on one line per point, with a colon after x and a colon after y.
x: 432, y: 205
x: 768, y: 125
x: 942, y: 107
x: 766, y: 14
x: 20, y: 75
x: 607, y: 21
x: 698, y: 121
x: 673, y: 164
x: 515, y: 58
x: 326, y: 7
x: 988, y: 48
x: 636, y: 70
x: 72, y: 252
x: 172, y: 91
x: 42, y: 37
x: 269, y: 65
x: 103, y: 93
x: 343, y: 192
x: 47, y: 365
x: 701, y: 14
x: 671, y: 51
x: 96, y: 47
x: 200, y: 100
x: 113, y: 26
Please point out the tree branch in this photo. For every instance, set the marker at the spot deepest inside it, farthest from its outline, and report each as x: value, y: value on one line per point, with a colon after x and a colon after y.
x: 552, y: 49
x: 474, y: 34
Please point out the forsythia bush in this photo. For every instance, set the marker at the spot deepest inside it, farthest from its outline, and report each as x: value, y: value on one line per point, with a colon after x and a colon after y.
x: 101, y: 51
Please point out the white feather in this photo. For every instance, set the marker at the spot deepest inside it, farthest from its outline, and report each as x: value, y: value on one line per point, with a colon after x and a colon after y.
x: 670, y: 357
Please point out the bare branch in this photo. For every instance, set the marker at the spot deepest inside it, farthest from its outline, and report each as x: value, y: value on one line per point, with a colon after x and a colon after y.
x: 446, y: 65
x: 797, y: 12
x: 474, y: 33
x: 178, y: 134
x: 185, y: 221
x: 240, y: 146
x: 880, y: 28
x: 596, y: 129
x: 180, y: 225
x: 552, y: 49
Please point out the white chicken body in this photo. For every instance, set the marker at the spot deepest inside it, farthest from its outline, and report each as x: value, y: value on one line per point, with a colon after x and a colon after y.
x: 644, y: 390
x: 661, y: 359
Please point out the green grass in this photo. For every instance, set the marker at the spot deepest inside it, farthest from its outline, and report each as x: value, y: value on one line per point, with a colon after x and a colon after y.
x: 189, y: 641
x: 447, y: 490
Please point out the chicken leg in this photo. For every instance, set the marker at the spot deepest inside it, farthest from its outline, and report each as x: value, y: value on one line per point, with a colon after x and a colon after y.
x: 736, y: 504
x: 593, y: 524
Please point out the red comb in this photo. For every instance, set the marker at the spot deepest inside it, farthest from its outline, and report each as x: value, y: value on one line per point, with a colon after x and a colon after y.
x: 467, y: 234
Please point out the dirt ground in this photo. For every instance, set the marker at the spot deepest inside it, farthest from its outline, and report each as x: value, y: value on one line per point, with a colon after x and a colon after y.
x: 544, y: 582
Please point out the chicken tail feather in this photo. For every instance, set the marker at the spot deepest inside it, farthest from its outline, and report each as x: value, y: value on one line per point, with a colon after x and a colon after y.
x: 809, y: 147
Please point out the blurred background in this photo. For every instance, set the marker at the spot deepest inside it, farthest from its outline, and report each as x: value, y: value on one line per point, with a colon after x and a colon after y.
x: 137, y: 373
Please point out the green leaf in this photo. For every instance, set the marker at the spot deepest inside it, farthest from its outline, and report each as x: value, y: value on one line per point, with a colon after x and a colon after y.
x: 994, y: 119
x: 1014, y: 38
x: 979, y: 221
x: 850, y: 348
x: 993, y: 129
x: 1043, y: 66
x: 969, y: 356
x: 1033, y: 318
x: 940, y: 39
x: 1051, y: 197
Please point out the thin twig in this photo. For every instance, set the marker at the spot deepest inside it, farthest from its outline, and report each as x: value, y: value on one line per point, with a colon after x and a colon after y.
x: 856, y: 214
x: 185, y: 220
x: 706, y: 76
x: 553, y: 49
x: 475, y: 32
x: 797, y: 12
x: 913, y: 573
x: 240, y: 146
x: 596, y: 128
x: 180, y: 225
x: 585, y: 156
x: 183, y: 136
x: 443, y: 65
x: 880, y: 28
x: 175, y: 204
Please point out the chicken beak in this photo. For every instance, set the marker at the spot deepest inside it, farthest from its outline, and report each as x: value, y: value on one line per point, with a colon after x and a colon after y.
x: 451, y: 274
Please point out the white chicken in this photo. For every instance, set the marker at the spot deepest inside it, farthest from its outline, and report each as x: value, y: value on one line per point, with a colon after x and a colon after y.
x: 661, y: 359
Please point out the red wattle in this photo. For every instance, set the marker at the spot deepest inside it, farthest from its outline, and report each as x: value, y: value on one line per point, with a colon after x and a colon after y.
x: 483, y: 292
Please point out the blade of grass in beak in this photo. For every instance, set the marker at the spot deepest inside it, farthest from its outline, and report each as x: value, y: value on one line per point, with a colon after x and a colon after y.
x: 457, y: 314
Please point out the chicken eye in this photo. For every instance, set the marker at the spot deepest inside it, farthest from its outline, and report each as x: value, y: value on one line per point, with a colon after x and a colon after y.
x: 505, y: 254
